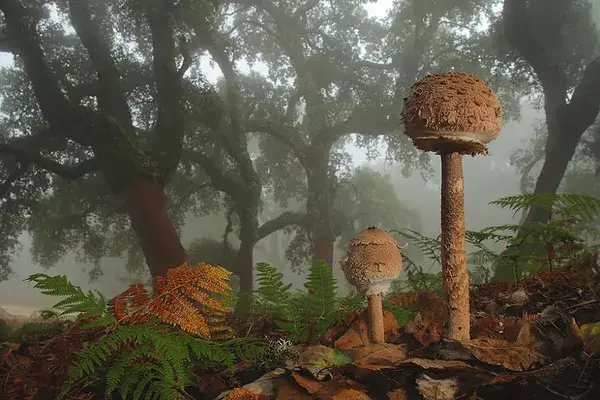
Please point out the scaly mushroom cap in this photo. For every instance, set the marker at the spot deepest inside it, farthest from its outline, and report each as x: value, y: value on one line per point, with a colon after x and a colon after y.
x: 452, y: 112
x: 374, y: 261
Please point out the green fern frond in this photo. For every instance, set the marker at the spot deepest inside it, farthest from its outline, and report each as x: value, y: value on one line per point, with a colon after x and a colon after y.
x: 87, y: 306
x: 430, y: 247
x: 322, y: 287
x: 159, y: 360
x: 271, y: 288
x: 562, y: 203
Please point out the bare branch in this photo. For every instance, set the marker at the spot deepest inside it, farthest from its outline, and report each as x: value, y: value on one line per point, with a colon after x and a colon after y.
x: 167, y: 147
x: 546, y: 62
x: 219, y: 180
x: 70, y: 172
x: 109, y: 91
x: 187, y: 56
x: 22, y: 32
x: 284, y: 133
x: 283, y: 220
x: 367, y: 121
x: 581, y: 112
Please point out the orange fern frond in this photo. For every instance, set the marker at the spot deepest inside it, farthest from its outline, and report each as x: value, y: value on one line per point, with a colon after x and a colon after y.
x: 185, y: 298
x: 134, y: 297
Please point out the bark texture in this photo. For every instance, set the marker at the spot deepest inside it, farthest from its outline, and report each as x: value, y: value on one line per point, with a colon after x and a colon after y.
x: 453, y: 248
x: 324, y: 251
x: 376, y: 330
x: 245, y: 264
x: 146, y: 205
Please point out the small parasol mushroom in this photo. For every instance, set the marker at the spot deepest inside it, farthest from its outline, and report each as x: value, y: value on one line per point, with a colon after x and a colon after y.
x: 374, y: 261
x: 452, y: 114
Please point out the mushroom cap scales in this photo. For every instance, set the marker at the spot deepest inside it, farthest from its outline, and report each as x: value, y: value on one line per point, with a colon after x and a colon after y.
x: 452, y: 112
x: 373, y: 262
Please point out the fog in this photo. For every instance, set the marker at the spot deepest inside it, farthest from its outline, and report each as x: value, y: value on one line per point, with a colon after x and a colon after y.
x: 487, y: 178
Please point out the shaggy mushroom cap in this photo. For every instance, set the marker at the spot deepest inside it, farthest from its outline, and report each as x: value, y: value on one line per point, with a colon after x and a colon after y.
x: 452, y: 112
x: 374, y: 261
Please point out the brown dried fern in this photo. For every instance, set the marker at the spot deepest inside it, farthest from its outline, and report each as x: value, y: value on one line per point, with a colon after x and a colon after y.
x: 185, y: 298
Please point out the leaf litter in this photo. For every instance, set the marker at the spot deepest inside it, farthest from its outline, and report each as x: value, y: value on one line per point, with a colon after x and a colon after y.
x: 537, y: 338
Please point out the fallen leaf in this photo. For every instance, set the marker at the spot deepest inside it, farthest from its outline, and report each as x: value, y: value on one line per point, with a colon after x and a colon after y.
x: 437, y: 389
x: 340, y: 386
x: 425, y: 332
x: 266, y: 385
x: 398, y: 394
x: 242, y: 394
x: 323, y: 356
x: 357, y: 335
x: 502, y: 352
x: 288, y: 390
x: 310, y: 384
x: 590, y: 334
x: 317, y: 359
x: 379, y: 354
x: 351, y: 394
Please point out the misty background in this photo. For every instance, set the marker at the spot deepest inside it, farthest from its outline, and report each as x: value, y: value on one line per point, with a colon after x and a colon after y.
x: 487, y: 178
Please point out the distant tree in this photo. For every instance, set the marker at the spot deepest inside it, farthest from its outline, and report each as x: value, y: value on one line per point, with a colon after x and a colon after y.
x: 557, y: 49
x: 106, y: 141
x: 73, y: 115
x: 320, y: 89
x: 369, y: 198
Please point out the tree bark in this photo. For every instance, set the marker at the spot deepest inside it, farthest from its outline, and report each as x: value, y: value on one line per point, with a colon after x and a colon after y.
x: 145, y: 202
x: 245, y: 265
x: 320, y: 213
x: 453, y: 248
x: 323, y: 250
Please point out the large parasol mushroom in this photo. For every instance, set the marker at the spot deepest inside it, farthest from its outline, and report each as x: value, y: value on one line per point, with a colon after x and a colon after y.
x: 374, y: 261
x: 452, y: 114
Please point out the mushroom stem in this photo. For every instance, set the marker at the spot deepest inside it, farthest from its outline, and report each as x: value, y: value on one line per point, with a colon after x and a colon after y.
x: 376, y: 332
x: 453, y: 248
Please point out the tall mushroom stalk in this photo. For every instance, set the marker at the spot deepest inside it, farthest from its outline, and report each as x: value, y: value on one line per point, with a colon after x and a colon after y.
x: 373, y: 262
x: 453, y: 114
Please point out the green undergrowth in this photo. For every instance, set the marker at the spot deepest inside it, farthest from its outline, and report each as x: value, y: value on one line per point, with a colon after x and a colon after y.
x: 510, y: 252
x: 306, y: 315
x: 142, y: 361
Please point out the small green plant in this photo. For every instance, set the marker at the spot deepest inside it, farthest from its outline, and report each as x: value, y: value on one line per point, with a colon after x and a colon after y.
x: 275, y: 355
x: 139, y: 346
x: 569, y: 236
x: 303, y: 316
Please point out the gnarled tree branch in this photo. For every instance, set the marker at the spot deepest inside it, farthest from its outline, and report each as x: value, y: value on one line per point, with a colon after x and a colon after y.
x: 283, y: 220
x: 170, y: 127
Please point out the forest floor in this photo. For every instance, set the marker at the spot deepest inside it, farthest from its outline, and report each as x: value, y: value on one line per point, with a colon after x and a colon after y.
x: 538, y: 339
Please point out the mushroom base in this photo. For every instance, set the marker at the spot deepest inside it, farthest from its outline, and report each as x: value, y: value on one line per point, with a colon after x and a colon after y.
x: 466, y: 143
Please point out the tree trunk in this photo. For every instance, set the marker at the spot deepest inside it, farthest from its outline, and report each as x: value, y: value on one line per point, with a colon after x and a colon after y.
x: 553, y: 170
x: 146, y: 205
x: 324, y: 251
x: 319, y: 212
x: 245, y: 265
x: 245, y: 257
